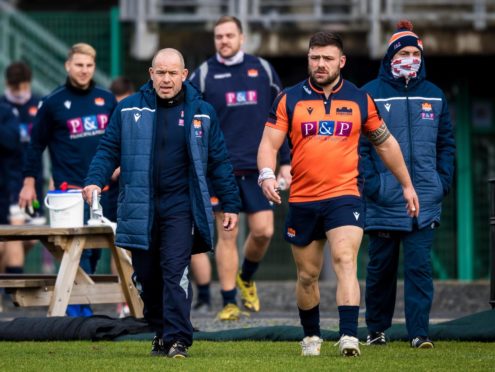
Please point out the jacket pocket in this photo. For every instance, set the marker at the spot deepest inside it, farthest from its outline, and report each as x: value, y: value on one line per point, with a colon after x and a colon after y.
x: 439, y: 194
x: 390, y: 190
x: 372, y: 186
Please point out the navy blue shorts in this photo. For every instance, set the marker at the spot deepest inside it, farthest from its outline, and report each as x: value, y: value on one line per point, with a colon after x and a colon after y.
x: 252, y: 198
x: 309, y: 221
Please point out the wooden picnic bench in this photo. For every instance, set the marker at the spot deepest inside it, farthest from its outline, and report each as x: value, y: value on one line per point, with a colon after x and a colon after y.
x: 71, y: 285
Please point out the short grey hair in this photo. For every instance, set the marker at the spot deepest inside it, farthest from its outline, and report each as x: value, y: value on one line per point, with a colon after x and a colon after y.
x: 169, y: 51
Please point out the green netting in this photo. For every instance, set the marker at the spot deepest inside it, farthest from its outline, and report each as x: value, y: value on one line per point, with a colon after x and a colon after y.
x: 94, y: 28
x: 73, y: 27
x: 483, y: 169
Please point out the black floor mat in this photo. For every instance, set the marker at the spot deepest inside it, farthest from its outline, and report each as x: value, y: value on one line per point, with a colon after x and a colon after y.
x: 98, y: 327
x: 475, y: 327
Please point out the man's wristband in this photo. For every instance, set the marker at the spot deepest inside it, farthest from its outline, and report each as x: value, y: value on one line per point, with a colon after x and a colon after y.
x: 265, y: 174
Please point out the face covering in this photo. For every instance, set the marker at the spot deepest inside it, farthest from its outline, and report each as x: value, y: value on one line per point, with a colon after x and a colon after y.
x: 405, y: 67
x: 19, y: 98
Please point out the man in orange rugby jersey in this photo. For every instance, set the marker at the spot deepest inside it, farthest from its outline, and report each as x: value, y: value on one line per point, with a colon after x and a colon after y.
x: 323, y: 116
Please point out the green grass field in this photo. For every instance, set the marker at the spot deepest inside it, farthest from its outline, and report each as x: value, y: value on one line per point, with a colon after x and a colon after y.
x: 241, y: 356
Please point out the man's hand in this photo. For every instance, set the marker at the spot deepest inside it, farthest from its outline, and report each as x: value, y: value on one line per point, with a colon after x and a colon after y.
x: 271, y: 191
x: 229, y: 221
x: 412, y: 200
x: 87, y: 193
x: 284, y: 177
x: 28, y: 193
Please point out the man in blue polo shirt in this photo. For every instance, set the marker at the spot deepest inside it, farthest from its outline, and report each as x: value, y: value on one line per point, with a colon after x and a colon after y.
x: 70, y: 122
x: 241, y: 87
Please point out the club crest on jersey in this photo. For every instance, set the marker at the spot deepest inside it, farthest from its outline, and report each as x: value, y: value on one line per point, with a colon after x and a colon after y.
x: 214, y: 201
x: 291, y: 233
x: 99, y: 101
x: 198, y: 130
x: 427, y: 111
x: 344, y: 111
x: 33, y: 110
x: 67, y: 104
x: 252, y: 72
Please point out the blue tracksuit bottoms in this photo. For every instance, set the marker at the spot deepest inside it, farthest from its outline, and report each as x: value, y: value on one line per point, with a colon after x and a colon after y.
x: 162, y: 275
x: 381, y: 279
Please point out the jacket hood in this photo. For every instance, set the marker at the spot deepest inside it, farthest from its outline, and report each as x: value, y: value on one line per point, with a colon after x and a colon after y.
x: 385, y: 73
x: 148, y: 92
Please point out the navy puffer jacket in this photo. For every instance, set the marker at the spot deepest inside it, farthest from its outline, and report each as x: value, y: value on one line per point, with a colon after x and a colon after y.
x: 417, y: 116
x: 128, y: 143
x: 9, y: 145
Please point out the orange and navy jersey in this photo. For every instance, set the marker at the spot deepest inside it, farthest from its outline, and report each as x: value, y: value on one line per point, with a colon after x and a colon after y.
x: 323, y: 136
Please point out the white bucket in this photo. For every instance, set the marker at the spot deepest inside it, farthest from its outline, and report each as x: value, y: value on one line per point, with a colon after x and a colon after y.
x: 66, y: 208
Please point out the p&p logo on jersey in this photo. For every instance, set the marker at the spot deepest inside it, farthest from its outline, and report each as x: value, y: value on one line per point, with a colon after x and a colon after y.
x: 326, y: 128
x: 87, y: 126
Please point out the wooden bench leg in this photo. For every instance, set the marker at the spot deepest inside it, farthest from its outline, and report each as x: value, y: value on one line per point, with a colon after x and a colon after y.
x: 125, y: 270
x: 66, y: 275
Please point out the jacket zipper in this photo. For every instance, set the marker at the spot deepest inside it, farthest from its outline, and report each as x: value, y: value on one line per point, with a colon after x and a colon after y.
x: 152, y: 189
x: 409, y: 129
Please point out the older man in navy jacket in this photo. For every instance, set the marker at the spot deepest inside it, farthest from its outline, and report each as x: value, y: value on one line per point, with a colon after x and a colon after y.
x: 416, y: 113
x: 166, y: 141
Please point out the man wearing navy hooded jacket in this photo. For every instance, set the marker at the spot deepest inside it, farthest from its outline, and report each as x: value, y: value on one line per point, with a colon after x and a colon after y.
x: 417, y: 115
x: 167, y: 141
